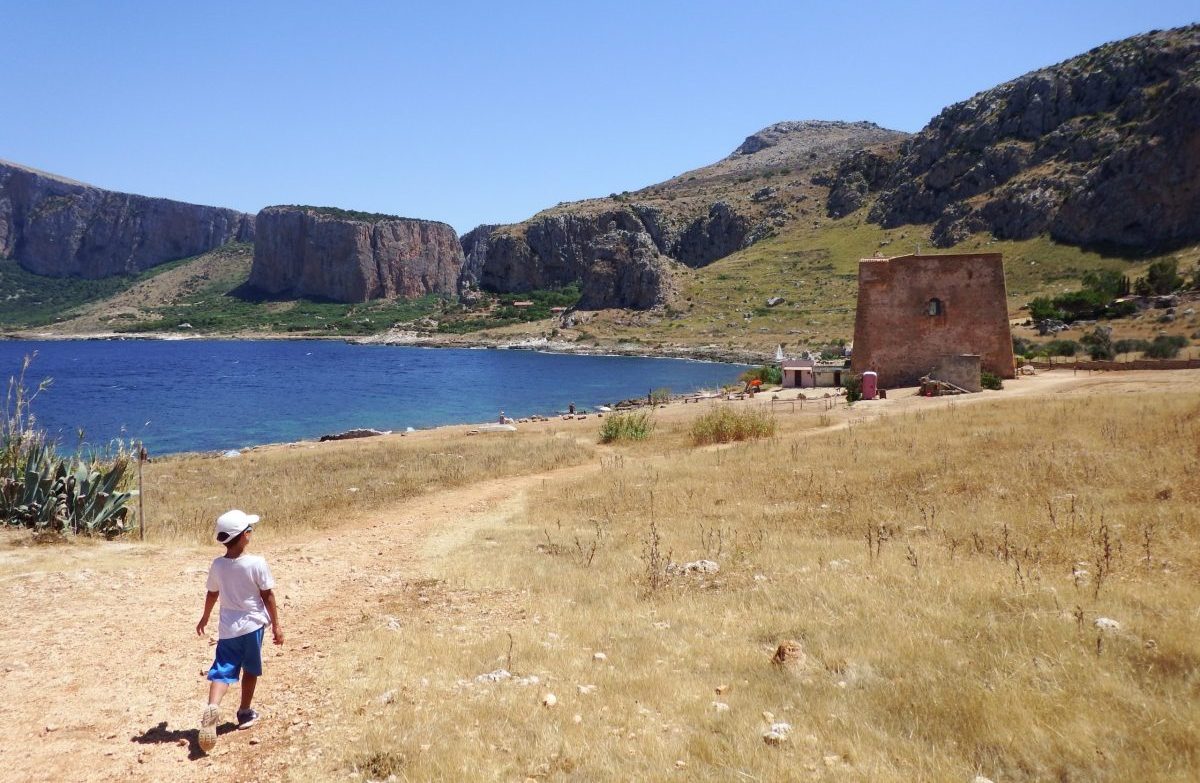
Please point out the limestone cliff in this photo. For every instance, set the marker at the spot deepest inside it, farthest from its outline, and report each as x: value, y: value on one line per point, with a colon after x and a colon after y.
x: 1101, y: 149
x: 621, y: 249
x: 58, y: 227
x: 328, y: 253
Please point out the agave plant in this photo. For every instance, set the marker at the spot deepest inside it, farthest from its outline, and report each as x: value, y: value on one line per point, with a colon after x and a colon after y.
x: 82, y: 493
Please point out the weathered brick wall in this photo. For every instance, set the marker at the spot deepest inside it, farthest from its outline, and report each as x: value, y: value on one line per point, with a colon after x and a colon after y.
x: 897, y: 337
x: 961, y: 370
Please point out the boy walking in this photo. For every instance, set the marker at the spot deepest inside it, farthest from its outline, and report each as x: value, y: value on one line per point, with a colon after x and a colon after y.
x: 246, y: 590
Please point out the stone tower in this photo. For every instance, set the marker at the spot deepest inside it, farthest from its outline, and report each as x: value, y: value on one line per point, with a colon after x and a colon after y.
x: 915, y: 310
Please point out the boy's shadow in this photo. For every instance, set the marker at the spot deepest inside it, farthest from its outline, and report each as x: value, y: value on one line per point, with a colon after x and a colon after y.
x: 160, y: 734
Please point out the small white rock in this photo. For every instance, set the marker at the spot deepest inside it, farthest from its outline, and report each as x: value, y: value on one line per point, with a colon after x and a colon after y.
x: 599, y: 657
x: 777, y: 734
x: 497, y: 676
x: 585, y: 690
x: 701, y: 567
x: 720, y: 706
x: 549, y: 700
x: 1107, y: 624
x: 577, y: 719
x: 981, y: 779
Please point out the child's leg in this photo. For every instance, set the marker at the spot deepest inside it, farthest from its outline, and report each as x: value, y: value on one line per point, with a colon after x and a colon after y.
x: 249, y: 682
x: 216, y: 691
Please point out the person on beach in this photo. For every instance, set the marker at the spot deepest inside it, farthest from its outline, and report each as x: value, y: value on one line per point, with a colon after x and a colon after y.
x: 245, y: 587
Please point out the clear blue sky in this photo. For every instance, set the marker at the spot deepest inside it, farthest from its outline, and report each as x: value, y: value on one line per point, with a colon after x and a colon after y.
x: 489, y: 111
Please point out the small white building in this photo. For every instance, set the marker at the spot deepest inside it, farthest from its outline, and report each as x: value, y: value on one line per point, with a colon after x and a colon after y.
x: 798, y: 373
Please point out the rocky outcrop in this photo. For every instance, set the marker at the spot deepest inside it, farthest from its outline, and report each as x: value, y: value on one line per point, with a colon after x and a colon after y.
x: 625, y: 269
x: 58, y: 227
x: 1103, y: 149
x: 328, y: 253
x: 555, y: 250
x: 859, y: 174
x: 475, y: 246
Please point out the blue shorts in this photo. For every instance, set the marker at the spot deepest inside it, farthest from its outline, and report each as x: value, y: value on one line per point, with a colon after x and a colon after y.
x: 233, y: 655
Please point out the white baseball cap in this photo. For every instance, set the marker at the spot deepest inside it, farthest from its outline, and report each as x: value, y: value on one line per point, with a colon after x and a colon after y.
x: 233, y: 523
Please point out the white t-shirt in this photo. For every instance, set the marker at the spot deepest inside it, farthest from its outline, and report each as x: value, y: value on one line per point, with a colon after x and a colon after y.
x: 239, y: 581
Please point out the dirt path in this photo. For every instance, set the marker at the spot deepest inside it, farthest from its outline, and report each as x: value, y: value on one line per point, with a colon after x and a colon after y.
x: 101, y: 673
x: 109, y: 686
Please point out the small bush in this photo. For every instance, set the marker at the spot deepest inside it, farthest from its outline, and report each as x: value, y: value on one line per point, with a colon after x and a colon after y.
x: 660, y: 396
x: 626, y: 426
x: 1165, y: 347
x: 852, y: 383
x: 724, y: 425
x: 1099, y: 344
x: 990, y: 380
x: 1131, y: 346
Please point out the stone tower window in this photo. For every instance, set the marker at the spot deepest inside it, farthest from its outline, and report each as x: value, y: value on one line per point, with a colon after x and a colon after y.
x: 935, y: 307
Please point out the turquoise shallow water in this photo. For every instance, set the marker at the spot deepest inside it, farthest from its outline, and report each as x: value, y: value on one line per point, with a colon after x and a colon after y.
x: 201, y: 395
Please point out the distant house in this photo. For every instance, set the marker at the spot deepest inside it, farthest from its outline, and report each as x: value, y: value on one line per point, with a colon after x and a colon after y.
x: 558, y: 309
x: 808, y: 374
x: 798, y: 373
x: 522, y: 304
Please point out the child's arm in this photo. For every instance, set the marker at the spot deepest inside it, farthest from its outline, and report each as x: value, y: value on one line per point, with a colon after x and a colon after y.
x: 268, y: 597
x: 210, y: 600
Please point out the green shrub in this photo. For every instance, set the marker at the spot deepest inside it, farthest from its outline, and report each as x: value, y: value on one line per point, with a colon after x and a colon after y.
x: 725, y: 424
x: 660, y: 396
x: 626, y: 426
x: 852, y: 383
x: 1165, y: 347
x: 1099, y: 344
x: 1094, y: 300
x: 1023, y: 347
x: 1060, y: 348
x: 1131, y: 346
x: 1162, y: 277
x: 990, y: 380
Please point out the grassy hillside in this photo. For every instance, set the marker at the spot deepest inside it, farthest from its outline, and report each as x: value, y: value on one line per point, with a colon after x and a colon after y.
x: 34, y: 300
x: 813, y: 268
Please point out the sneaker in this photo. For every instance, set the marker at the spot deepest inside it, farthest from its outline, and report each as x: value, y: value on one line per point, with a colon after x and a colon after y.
x: 208, y: 727
x: 246, y: 718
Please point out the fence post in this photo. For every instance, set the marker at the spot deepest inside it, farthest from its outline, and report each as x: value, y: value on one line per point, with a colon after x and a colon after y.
x: 142, y: 457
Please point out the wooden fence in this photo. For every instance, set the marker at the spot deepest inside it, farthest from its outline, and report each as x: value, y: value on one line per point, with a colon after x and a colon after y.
x: 1138, y: 364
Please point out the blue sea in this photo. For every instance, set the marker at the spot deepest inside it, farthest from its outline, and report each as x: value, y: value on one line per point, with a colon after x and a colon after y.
x: 207, y: 395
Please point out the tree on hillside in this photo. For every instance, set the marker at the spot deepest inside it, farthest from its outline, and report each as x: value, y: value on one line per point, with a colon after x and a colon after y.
x: 1161, y: 278
x: 1107, y: 282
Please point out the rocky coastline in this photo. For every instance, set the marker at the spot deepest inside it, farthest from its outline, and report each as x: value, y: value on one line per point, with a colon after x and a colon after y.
x: 701, y: 353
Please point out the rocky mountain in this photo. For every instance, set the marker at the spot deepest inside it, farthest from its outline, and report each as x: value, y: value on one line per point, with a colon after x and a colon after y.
x: 328, y: 253
x: 58, y: 227
x: 1103, y: 149
x: 690, y: 220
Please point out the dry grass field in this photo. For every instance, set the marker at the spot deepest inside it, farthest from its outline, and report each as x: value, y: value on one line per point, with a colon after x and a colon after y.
x: 308, y: 486
x: 946, y: 575
x: 1002, y: 585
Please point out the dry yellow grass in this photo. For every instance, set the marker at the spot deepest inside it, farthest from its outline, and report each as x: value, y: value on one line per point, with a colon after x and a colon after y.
x: 943, y: 573
x: 316, y: 486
